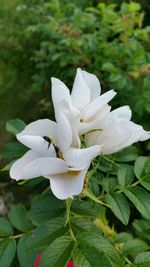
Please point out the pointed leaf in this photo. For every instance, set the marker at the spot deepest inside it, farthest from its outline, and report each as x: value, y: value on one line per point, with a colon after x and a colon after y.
x: 140, y: 198
x: 58, y: 253
x: 98, y: 251
x: 119, y: 206
x: 7, y: 252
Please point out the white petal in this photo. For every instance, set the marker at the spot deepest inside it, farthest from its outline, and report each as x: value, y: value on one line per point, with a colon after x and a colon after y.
x: 122, y: 112
x: 16, y: 169
x: 64, y: 132
x: 38, y: 144
x: 67, y: 185
x: 97, y: 122
x: 97, y: 104
x: 118, y: 134
x: 81, y: 157
x: 29, y: 167
x: 42, y: 128
x: 81, y: 93
x: 93, y: 83
x: 59, y: 92
x: 72, y: 115
x: 113, y: 138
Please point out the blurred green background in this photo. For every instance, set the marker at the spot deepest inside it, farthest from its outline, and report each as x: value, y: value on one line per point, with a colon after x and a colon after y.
x: 40, y: 39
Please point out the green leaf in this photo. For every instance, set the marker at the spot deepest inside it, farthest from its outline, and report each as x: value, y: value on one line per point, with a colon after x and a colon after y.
x: 18, y: 218
x: 126, y: 155
x: 110, y: 184
x: 58, y: 253
x: 125, y: 175
x: 89, y: 194
x: 35, y: 242
x: 98, y: 251
x: 142, y: 228
x: 135, y: 246
x: 26, y: 257
x: 6, y: 228
x: 109, y: 67
x: 140, y: 166
x: 142, y: 259
x: 84, y: 207
x: 142, y: 172
x: 123, y: 237
x: 44, y: 207
x: 119, y: 206
x: 7, y: 252
x: 15, y: 126
x: 13, y: 150
x: 140, y: 198
x: 79, y: 259
x: 82, y: 224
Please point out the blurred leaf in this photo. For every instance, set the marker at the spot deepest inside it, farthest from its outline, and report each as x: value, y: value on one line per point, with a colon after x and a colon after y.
x: 15, y: 126
x: 45, y: 207
x: 135, y: 246
x: 18, y: 217
x: 6, y: 228
x: 7, y: 252
x: 123, y: 237
x: 126, y: 155
x: 142, y: 259
x: 13, y: 150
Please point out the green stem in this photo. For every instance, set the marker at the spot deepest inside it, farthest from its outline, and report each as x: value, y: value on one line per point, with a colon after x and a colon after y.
x: 68, y: 206
x: 128, y: 261
x: 89, y: 194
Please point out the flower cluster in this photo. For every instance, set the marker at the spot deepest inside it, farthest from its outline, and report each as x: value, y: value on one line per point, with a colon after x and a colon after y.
x: 56, y: 150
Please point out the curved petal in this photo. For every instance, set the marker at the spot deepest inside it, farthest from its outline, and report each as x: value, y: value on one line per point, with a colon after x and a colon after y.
x: 97, y: 104
x: 98, y: 121
x: 29, y: 166
x: 122, y: 112
x: 113, y: 137
x: 118, y: 134
x: 68, y: 184
x: 64, y: 132
x: 72, y: 115
x: 81, y: 93
x: 42, y: 127
x: 81, y: 157
x: 59, y: 92
x: 16, y: 169
x: 93, y: 83
x: 38, y: 144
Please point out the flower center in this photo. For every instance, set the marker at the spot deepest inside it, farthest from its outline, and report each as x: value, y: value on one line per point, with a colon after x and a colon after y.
x: 73, y: 173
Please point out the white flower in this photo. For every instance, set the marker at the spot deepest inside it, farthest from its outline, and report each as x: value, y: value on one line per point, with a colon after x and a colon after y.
x: 85, y: 107
x: 52, y: 156
x: 118, y: 132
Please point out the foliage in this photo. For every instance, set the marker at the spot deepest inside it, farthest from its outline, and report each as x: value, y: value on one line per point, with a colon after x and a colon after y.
x: 109, y: 224
x: 100, y: 227
x: 52, y: 38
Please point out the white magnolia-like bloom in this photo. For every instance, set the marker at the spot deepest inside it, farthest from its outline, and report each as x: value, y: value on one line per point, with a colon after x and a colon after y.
x: 118, y: 132
x: 85, y: 102
x: 55, y: 147
x: 51, y: 155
